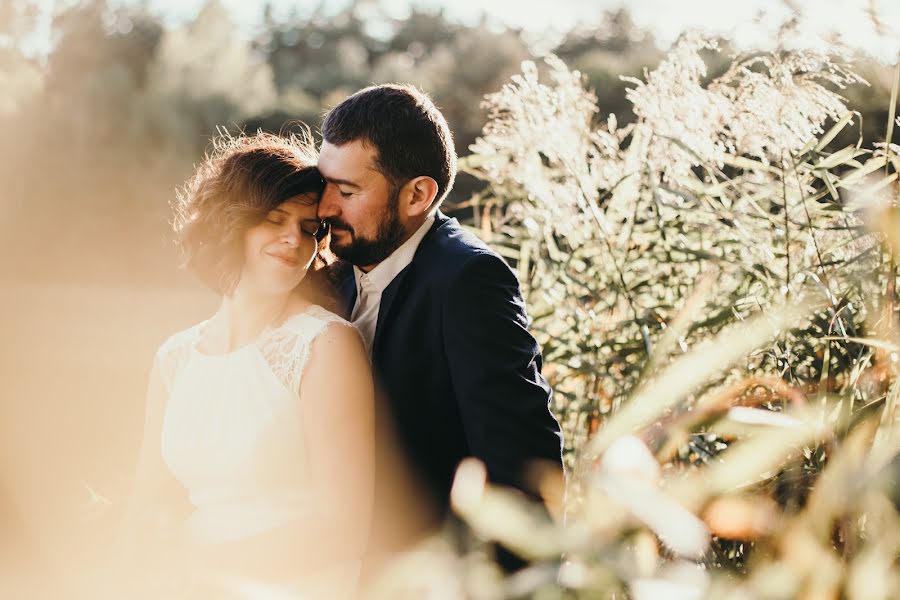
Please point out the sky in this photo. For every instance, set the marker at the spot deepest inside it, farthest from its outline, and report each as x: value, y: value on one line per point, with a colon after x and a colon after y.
x: 748, y: 23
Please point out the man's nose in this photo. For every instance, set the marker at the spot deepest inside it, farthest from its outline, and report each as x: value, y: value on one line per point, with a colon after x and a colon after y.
x: 328, y: 206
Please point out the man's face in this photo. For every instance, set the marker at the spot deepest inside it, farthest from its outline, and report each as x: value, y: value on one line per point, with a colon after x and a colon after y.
x: 359, y: 205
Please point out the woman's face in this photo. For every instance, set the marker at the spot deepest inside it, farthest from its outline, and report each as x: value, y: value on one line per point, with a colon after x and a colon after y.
x: 279, y: 250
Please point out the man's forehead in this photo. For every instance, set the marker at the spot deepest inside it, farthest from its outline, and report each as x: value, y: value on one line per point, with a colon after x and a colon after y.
x: 355, y: 155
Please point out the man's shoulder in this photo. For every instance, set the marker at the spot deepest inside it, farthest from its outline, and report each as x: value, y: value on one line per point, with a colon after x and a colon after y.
x: 454, y: 262
x: 450, y: 246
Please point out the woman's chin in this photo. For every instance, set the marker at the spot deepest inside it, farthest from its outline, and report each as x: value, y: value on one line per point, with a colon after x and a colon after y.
x: 275, y: 285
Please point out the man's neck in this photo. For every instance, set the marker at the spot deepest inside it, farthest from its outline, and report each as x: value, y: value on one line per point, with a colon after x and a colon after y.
x: 412, y: 228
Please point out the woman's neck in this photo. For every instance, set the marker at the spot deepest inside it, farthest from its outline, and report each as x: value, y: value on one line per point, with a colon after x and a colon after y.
x: 243, y: 316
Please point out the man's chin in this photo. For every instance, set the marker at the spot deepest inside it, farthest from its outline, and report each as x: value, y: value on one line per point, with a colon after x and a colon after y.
x: 344, y: 252
x: 350, y: 253
x: 340, y: 241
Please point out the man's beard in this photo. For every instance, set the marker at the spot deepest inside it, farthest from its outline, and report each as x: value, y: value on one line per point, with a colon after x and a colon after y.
x: 366, y: 252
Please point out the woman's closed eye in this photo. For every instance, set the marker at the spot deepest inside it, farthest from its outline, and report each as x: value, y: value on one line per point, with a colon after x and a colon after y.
x: 276, y: 216
x: 312, y: 228
x: 309, y: 227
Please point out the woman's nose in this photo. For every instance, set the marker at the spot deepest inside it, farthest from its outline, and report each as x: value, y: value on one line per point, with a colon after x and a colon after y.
x: 292, y: 235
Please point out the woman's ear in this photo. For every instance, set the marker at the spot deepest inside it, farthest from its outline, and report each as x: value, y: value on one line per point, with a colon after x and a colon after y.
x: 421, y: 192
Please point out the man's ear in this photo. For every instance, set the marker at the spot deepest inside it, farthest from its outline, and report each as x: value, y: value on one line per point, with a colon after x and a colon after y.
x: 420, y: 193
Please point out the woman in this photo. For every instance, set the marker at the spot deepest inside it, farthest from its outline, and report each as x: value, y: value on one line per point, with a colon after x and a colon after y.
x: 260, y: 417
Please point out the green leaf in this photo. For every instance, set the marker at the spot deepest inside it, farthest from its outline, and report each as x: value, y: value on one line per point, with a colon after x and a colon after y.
x: 838, y: 158
x: 832, y: 133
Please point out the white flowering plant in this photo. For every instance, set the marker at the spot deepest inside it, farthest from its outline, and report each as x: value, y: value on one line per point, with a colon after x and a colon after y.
x: 714, y: 289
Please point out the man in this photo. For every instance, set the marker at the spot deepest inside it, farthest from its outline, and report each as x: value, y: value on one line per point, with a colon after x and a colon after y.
x: 441, y: 314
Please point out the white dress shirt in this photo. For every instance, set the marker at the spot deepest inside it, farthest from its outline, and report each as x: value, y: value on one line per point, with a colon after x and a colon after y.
x: 371, y: 285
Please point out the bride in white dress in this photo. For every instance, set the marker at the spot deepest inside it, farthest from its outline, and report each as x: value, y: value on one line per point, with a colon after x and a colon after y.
x: 256, y: 471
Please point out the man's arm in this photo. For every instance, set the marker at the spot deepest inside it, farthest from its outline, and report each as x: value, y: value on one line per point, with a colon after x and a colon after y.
x: 495, y: 367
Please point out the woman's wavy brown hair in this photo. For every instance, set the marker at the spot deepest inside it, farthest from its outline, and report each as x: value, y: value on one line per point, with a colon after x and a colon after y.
x: 240, y: 180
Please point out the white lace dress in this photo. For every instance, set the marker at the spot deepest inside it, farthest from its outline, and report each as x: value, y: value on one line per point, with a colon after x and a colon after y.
x: 232, y: 432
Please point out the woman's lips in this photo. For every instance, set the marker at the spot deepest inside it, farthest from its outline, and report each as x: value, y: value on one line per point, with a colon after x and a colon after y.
x: 288, y: 261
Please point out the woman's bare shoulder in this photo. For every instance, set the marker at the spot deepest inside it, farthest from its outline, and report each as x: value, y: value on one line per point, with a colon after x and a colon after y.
x: 319, y: 319
x: 182, y: 338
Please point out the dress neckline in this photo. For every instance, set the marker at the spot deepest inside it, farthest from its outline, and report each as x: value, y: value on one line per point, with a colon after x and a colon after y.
x: 267, y: 330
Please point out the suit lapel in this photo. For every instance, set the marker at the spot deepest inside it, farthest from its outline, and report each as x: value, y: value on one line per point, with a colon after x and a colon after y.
x: 347, y: 293
x: 390, y: 294
x: 398, y: 288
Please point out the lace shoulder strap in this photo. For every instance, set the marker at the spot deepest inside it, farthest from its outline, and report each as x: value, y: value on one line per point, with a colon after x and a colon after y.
x: 173, y: 353
x: 286, y: 348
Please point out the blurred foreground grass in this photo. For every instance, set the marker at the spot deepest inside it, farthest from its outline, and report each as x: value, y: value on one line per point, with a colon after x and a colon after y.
x: 73, y: 366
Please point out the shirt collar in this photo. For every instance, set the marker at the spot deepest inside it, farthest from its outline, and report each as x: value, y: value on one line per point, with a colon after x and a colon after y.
x: 384, y: 272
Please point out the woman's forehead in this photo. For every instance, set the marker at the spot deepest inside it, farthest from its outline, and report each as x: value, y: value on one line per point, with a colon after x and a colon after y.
x: 301, y: 203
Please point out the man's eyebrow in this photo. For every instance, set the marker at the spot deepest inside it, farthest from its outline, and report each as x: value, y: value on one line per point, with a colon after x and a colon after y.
x: 339, y: 181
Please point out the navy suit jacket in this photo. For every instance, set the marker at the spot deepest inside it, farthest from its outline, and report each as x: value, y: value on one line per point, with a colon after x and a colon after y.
x: 461, y: 373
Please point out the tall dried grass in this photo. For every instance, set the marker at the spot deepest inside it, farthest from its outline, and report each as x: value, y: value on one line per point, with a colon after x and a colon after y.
x: 714, y: 287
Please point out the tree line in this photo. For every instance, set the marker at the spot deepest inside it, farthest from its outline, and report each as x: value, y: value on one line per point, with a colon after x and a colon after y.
x: 101, y: 130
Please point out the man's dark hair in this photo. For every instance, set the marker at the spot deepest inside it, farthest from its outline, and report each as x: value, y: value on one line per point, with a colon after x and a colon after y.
x: 406, y: 129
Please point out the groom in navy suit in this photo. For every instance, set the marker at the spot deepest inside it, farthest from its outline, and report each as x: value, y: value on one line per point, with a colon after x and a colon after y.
x: 441, y: 313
